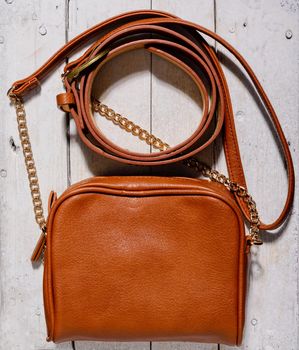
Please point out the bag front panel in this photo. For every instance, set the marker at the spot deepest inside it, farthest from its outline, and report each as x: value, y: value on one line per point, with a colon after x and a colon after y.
x: 155, y: 267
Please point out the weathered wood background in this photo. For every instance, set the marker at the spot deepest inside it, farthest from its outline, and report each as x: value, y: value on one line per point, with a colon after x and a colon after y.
x: 160, y: 98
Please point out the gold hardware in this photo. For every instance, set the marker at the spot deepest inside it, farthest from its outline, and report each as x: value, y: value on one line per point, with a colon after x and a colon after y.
x: 129, y: 126
x: 253, y: 236
x: 29, y: 160
x: 10, y: 93
x: 75, y: 72
x: 254, y: 221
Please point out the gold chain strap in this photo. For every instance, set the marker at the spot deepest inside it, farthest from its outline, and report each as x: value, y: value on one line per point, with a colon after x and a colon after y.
x: 233, y: 187
x: 203, y: 169
x: 129, y: 126
x: 29, y: 162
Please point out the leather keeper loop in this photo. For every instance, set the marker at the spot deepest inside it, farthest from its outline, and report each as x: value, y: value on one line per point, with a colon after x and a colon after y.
x: 64, y: 101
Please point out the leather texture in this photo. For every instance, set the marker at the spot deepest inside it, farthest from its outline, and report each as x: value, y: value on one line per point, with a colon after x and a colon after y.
x: 150, y: 258
x: 158, y: 259
x: 182, y: 43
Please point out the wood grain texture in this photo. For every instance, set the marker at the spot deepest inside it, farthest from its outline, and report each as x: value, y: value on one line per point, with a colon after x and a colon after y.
x: 176, y: 106
x: 124, y: 86
x: 30, y: 33
x: 161, y: 99
x: 259, y: 30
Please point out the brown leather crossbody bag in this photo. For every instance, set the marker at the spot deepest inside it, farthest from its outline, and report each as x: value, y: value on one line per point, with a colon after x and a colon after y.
x: 148, y: 258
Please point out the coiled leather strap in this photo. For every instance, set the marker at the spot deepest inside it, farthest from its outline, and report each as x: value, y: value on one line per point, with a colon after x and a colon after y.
x: 181, y: 43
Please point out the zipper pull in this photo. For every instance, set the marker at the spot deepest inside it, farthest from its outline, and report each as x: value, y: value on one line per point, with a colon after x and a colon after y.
x: 39, y: 247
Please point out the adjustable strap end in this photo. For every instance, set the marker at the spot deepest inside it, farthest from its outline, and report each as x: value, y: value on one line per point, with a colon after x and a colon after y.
x: 19, y: 88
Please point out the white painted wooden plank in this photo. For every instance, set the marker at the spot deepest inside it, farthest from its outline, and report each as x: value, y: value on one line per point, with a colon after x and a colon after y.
x: 125, y: 87
x: 270, y: 325
x: 90, y: 345
x: 30, y: 32
x: 176, y: 109
x: 177, y: 105
x: 260, y: 31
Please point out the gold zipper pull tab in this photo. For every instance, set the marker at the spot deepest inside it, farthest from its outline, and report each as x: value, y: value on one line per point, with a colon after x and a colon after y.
x: 39, y: 247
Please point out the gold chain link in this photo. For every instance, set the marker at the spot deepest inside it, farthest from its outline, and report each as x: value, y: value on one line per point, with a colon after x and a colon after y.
x: 144, y: 135
x: 29, y: 162
x: 129, y: 126
x: 233, y: 187
x: 213, y: 175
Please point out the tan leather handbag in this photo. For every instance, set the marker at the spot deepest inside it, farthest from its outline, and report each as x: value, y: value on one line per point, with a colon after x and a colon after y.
x: 148, y: 258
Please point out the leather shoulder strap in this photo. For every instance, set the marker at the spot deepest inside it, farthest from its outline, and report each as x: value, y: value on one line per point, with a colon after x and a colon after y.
x: 20, y: 87
x: 232, y: 153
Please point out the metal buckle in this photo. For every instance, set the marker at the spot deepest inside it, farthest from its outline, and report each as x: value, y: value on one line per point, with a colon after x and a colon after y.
x: 73, y: 74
